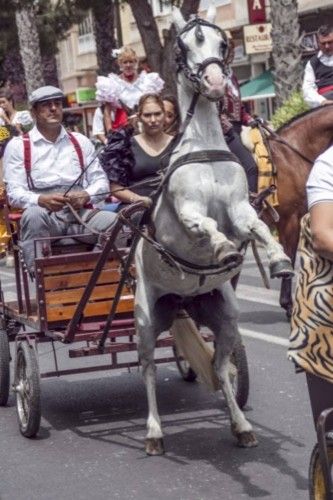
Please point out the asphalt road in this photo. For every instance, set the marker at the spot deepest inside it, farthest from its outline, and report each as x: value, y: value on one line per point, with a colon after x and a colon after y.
x: 90, y: 445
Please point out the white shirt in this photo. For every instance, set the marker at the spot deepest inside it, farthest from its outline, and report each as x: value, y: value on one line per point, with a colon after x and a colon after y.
x: 98, y: 123
x: 310, y: 89
x: 52, y: 164
x: 23, y: 118
x: 319, y: 186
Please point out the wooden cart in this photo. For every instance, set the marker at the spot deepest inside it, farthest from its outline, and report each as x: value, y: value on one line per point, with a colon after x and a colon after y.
x: 84, y: 298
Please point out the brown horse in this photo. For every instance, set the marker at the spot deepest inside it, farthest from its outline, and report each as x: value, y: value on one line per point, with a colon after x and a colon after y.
x: 308, y: 135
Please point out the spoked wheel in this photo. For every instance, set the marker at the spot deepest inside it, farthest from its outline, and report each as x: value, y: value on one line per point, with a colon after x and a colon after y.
x: 183, y: 366
x: 317, y: 488
x: 27, y: 388
x: 4, y: 368
x: 239, y: 374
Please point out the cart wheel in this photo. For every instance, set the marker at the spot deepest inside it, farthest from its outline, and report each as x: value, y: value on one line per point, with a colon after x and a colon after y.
x: 317, y: 487
x: 184, y: 368
x: 4, y: 368
x: 239, y: 374
x: 27, y: 390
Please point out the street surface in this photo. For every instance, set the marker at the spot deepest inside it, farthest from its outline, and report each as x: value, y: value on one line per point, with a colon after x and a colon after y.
x: 90, y: 445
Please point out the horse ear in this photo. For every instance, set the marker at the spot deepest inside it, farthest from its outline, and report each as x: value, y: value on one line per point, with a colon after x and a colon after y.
x: 211, y: 12
x: 178, y: 19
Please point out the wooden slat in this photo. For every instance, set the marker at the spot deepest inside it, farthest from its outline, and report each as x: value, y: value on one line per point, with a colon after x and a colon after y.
x: 79, y: 279
x: 126, y: 304
x: 72, y: 266
x: 73, y: 295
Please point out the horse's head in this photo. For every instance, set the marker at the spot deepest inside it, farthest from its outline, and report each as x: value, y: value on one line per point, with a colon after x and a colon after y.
x: 201, y: 48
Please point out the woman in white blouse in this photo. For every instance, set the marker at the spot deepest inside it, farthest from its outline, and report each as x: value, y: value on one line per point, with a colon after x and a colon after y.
x: 8, y: 114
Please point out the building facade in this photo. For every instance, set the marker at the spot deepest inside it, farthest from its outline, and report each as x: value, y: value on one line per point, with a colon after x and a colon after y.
x: 77, y: 58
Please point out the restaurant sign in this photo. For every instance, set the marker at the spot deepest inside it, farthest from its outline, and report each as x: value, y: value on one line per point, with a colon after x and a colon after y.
x: 257, y: 38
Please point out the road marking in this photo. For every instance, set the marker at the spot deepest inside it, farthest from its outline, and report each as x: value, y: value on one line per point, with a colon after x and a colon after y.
x: 272, y: 339
x: 258, y: 294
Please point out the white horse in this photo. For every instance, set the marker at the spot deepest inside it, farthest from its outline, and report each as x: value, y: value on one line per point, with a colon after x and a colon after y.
x: 201, y: 216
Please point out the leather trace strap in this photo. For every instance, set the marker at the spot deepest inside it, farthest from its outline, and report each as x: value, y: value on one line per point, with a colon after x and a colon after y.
x: 27, y: 155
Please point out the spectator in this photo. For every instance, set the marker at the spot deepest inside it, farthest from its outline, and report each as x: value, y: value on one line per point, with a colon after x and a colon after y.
x: 172, y: 115
x: 21, y: 120
x: 233, y: 115
x: 318, y: 73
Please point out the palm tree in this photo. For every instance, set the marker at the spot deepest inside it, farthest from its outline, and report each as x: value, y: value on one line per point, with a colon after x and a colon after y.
x: 286, y: 49
x: 29, y: 45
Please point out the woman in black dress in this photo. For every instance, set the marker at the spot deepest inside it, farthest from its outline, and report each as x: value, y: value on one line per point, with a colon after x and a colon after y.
x: 149, y: 149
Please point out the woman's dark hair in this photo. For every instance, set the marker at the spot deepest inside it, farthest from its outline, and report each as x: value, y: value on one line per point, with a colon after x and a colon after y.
x: 325, y: 30
x: 150, y: 97
x: 174, y: 127
x: 7, y: 94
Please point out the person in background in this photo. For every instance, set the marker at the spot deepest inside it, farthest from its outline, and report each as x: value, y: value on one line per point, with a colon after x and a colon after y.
x: 318, y: 73
x: 232, y: 116
x: 150, y: 149
x: 172, y: 115
x: 121, y: 93
x: 311, y: 341
x: 98, y: 127
x: 20, y: 120
x: 41, y: 167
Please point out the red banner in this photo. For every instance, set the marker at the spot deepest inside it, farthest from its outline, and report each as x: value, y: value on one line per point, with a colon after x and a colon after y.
x: 257, y: 11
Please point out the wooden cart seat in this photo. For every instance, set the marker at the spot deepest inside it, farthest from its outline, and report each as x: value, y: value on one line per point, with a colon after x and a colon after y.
x: 61, y: 281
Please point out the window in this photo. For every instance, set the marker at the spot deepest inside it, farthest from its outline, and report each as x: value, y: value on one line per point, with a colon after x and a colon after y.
x: 160, y: 7
x: 86, y: 39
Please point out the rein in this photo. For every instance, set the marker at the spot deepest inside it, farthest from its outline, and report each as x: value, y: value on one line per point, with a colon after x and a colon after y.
x: 275, y: 137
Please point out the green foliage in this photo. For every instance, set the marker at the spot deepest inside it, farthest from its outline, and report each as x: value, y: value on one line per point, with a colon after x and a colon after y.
x: 294, y: 106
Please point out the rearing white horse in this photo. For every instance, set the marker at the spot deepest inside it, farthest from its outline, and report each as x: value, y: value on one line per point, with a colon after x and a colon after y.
x: 201, y: 216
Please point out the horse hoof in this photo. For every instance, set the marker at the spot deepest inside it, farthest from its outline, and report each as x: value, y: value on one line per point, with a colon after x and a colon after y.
x: 281, y: 269
x: 247, y: 440
x: 228, y: 256
x: 154, y: 446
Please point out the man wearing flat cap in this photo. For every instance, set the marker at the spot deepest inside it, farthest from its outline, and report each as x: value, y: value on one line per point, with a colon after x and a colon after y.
x: 39, y: 168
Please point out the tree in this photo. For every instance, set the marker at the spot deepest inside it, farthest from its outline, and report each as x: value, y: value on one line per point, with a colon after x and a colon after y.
x: 29, y: 45
x: 159, y: 55
x: 286, y: 52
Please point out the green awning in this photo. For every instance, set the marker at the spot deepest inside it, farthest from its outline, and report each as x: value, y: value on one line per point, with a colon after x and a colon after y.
x: 260, y: 87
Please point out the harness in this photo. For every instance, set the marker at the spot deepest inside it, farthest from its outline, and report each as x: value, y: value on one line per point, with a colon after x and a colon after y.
x: 27, y: 156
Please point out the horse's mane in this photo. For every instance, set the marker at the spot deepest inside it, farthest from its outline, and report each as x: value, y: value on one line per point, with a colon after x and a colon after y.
x: 300, y: 116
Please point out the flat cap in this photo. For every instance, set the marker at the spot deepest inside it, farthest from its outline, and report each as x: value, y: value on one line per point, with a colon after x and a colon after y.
x: 45, y: 94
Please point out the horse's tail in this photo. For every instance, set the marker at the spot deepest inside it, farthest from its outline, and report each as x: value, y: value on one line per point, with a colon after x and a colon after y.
x: 191, y: 346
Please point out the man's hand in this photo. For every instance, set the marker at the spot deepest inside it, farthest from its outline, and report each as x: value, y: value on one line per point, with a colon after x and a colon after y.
x: 327, y: 101
x: 78, y: 199
x: 52, y: 202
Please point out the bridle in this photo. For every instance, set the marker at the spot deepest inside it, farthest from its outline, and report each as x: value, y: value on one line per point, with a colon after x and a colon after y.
x: 181, y: 51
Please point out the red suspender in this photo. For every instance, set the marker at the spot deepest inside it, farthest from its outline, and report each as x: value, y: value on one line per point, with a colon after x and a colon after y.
x: 27, y: 155
x: 27, y: 158
x: 77, y: 148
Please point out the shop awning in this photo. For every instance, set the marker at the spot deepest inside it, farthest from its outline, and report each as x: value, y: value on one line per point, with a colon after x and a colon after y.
x: 260, y: 87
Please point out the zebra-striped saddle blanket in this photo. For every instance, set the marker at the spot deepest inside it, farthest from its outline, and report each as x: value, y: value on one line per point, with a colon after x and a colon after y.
x: 311, y: 338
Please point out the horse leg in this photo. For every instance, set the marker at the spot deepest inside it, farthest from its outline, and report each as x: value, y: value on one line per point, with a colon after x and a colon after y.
x: 248, y: 226
x: 150, y: 322
x: 191, y: 216
x: 289, y: 235
x: 219, y: 312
